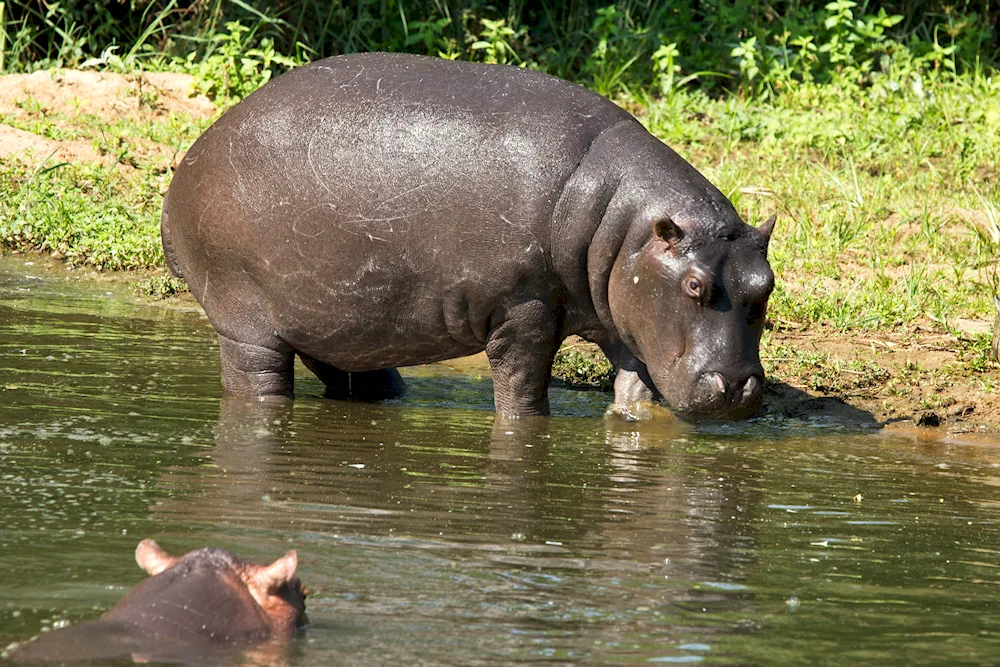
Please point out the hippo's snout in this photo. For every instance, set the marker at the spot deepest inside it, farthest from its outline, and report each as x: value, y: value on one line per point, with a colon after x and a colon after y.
x: 716, y: 397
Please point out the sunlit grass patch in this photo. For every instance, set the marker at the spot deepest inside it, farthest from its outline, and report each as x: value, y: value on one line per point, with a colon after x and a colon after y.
x: 88, y: 213
x: 583, y: 365
x: 887, y: 201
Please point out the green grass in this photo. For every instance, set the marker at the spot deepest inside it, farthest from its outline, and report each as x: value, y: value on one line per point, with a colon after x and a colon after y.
x: 87, y: 213
x: 583, y: 368
x: 887, y: 199
x: 102, y: 214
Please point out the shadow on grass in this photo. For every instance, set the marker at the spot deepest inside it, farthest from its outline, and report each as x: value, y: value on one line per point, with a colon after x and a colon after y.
x: 785, y: 401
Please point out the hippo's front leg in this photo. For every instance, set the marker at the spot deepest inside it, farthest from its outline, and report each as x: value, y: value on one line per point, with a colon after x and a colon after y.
x: 521, y: 347
x: 634, y: 389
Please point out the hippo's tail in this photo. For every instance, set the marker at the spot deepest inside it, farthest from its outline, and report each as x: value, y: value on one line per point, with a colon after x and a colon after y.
x: 168, y: 246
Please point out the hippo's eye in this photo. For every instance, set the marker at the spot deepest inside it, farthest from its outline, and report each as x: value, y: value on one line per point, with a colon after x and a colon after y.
x: 693, y: 287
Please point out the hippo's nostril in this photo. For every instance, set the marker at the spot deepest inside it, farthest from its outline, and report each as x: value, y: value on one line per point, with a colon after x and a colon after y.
x: 750, y: 388
x: 718, y: 384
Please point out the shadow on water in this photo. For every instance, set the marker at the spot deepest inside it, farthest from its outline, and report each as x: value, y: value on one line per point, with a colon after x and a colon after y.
x: 429, y: 533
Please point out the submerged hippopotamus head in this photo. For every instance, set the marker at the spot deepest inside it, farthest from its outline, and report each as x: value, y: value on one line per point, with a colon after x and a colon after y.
x: 206, y: 602
x: 691, y: 305
x: 256, y: 600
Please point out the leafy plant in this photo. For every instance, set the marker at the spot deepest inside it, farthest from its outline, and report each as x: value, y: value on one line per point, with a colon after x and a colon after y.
x: 236, y: 69
x: 433, y: 34
x: 617, y: 47
x: 496, y: 42
x: 583, y: 368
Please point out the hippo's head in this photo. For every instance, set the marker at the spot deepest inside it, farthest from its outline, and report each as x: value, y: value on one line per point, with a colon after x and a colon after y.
x: 274, y: 589
x: 691, y: 307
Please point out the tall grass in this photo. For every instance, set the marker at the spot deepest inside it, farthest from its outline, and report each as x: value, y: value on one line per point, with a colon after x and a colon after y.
x: 755, y: 47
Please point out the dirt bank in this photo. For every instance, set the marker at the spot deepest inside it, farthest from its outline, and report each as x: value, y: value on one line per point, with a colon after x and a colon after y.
x: 104, y: 96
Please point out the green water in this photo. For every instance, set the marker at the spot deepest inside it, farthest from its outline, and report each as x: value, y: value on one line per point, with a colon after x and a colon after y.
x: 429, y: 536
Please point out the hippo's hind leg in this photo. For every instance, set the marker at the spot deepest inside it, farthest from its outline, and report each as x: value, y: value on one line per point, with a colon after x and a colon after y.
x: 365, y: 386
x: 254, y: 370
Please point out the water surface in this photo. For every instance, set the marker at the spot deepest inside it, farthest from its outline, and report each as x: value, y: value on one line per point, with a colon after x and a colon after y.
x: 429, y: 535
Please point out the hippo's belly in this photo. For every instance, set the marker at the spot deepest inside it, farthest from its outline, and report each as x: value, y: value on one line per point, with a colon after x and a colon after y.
x: 368, y: 296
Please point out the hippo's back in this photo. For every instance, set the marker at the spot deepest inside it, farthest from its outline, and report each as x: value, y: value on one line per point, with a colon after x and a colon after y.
x: 382, y: 183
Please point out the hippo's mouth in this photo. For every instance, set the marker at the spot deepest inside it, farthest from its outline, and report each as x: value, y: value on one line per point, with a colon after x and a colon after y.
x: 713, y: 396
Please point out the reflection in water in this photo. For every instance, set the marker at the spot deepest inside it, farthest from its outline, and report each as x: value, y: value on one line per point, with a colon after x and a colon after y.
x: 430, y: 535
x: 543, y: 535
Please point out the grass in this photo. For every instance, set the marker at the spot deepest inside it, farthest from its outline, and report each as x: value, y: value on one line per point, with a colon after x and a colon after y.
x: 583, y: 366
x: 87, y: 213
x: 100, y: 213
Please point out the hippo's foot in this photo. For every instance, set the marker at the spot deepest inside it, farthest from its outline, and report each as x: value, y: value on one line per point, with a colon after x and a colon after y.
x: 363, y: 386
x: 253, y: 370
x: 635, y: 397
x: 634, y: 411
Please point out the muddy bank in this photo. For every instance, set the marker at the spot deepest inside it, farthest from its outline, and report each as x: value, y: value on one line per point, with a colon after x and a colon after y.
x: 941, y: 384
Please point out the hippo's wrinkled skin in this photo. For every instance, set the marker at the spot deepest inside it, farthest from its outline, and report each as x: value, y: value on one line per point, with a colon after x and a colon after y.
x: 205, y: 601
x: 378, y: 210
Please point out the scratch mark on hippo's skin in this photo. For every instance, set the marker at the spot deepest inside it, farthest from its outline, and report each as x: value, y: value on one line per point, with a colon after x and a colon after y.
x: 312, y: 163
x: 356, y: 77
x: 525, y: 228
x: 404, y: 193
x: 232, y: 165
x: 364, y: 270
x: 433, y: 261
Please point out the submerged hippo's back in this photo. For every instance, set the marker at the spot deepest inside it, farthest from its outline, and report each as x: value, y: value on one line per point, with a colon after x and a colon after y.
x: 407, y: 186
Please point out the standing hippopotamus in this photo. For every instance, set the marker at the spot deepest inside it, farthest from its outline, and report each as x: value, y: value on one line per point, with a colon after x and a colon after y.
x: 205, y: 601
x: 377, y: 210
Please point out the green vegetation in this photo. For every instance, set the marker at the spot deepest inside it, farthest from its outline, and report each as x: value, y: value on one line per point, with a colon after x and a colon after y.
x: 82, y: 212
x: 625, y: 45
x: 583, y: 366
x: 102, y: 214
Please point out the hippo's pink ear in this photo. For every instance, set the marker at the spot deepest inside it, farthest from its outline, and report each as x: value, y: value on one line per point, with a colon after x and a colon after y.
x: 152, y: 558
x: 668, y: 231
x: 766, y: 228
x: 279, y: 572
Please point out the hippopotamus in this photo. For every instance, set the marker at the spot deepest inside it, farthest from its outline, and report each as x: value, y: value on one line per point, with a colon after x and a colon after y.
x: 205, y: 601
x: 378, y: 210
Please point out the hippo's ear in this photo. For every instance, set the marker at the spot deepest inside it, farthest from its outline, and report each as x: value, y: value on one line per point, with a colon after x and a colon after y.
x: 276, y: 574
x: 766, y: 228
x: 667, y: 231
x: 152, y: 558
